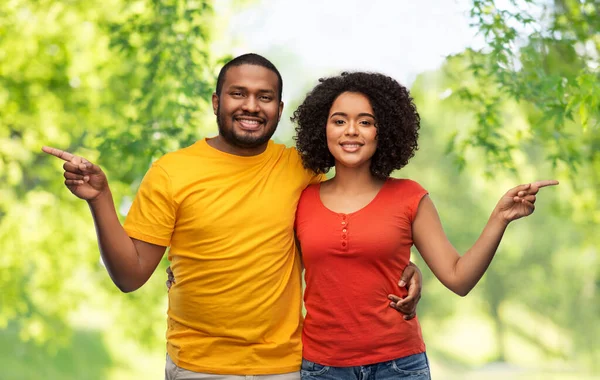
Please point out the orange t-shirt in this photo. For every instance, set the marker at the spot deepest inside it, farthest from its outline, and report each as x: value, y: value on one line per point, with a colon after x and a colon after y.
x: 352, y: 262
x: 236, y: 305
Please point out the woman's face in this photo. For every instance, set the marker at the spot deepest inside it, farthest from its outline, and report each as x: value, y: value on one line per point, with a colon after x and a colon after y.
x: 351, y: 131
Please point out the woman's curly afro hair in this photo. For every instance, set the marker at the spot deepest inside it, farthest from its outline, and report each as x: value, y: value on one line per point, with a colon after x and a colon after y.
x: 396, y: 120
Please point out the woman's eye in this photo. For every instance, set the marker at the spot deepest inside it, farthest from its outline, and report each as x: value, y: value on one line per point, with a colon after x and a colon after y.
x: 339, y: 122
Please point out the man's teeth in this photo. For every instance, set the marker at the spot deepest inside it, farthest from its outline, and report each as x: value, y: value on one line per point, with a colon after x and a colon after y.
x: 249, y: 121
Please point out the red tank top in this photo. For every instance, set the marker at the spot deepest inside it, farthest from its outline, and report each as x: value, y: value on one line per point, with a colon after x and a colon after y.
x: 352, y: 262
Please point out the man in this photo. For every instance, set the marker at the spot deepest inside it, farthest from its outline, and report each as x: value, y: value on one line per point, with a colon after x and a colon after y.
x: 225, y: 206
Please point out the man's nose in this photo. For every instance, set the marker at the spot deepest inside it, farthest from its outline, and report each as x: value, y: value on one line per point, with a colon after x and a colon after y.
x: 251, y: 105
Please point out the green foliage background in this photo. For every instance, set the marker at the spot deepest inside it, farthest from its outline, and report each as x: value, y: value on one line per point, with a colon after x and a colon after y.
x: 122, y: 82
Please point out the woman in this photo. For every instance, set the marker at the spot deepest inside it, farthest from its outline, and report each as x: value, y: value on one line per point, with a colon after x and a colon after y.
x: 356, y: 230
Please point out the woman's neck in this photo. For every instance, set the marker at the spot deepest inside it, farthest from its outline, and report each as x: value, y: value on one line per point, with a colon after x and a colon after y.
x: 354, y: 180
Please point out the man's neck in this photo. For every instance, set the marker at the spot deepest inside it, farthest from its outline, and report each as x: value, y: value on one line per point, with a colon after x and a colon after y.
x: 221, y: 144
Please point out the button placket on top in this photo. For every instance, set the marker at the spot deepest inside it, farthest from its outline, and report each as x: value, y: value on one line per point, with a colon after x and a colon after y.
x: 344, y: 232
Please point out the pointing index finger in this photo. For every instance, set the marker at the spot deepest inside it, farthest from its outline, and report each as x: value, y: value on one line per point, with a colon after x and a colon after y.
x: 58, y: 153
x: 540, y: 184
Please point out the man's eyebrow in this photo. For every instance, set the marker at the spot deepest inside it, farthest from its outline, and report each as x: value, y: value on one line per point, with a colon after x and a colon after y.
x: 262, y: 91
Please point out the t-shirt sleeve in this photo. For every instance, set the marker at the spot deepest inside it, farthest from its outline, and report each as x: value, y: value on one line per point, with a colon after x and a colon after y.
x: 152, y: 214
x: 417, y: 193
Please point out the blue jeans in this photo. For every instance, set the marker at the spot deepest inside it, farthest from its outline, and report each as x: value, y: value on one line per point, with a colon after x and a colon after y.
x: 413, y: 367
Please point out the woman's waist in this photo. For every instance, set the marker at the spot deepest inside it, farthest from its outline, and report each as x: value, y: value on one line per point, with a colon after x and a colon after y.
x: 345, y: 343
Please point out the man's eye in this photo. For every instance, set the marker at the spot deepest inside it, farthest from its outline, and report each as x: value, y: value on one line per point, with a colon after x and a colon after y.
x: 266, y: 98
x: 236, y: 93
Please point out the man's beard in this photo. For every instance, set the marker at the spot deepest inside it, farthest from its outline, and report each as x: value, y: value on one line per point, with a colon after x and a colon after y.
x: 245, y: 140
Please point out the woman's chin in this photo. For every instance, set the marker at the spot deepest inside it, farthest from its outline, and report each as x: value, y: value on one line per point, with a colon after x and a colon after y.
x: 352, y: 164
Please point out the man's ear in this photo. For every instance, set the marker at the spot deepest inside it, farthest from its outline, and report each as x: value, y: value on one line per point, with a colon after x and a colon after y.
x: 280, y: 111
x: 215, y: 103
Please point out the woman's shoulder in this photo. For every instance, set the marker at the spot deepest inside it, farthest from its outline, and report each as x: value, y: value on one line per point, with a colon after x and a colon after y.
x: 405, y: 184
x: 308, y: 202
x: 407, y: 194
x: 310, y: 190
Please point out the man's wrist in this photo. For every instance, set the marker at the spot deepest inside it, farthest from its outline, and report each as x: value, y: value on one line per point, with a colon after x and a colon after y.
x: 103, y: 196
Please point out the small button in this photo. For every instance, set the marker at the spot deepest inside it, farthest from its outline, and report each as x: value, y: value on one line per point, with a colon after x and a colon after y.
x: 344, y: 230
x: 343, y: 244
x: 344, y: 217
x: 344, y: 236
x: 343, y: 223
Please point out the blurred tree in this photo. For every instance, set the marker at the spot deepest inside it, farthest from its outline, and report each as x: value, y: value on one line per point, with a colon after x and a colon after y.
x: 118, y: 82
x: 531, y: 105
x: 131, y: 80
x: 167, y: 79
x: 547, y: 265
x: 546, y: 55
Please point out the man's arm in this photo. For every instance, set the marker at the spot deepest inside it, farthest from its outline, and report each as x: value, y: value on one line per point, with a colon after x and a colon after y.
x: 129, y: 262
x: 412, y: 279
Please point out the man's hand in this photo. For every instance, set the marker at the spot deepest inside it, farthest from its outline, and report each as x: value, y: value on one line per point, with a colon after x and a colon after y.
x: 84, y: 179
x: 408, y: 305
x: 170, y: 278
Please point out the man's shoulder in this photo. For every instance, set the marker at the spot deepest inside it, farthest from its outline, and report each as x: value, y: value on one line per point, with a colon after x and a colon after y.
x: 289, y: 160
x: 280, y: 147
x: 289, y: 154
x: 178, y: 157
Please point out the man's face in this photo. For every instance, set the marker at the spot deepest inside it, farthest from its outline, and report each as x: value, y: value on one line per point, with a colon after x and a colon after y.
x: 248, y: 108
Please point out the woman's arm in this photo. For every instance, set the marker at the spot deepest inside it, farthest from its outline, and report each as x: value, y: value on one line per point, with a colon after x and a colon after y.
x: 461, y: 273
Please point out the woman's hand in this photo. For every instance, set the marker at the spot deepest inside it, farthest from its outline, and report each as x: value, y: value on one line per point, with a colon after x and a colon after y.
x: 519, y: 201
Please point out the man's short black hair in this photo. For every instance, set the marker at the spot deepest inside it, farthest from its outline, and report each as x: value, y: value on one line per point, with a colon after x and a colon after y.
x: 248, y: 59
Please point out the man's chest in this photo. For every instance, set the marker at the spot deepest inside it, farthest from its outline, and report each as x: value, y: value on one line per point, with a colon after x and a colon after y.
x: 238, y: 206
